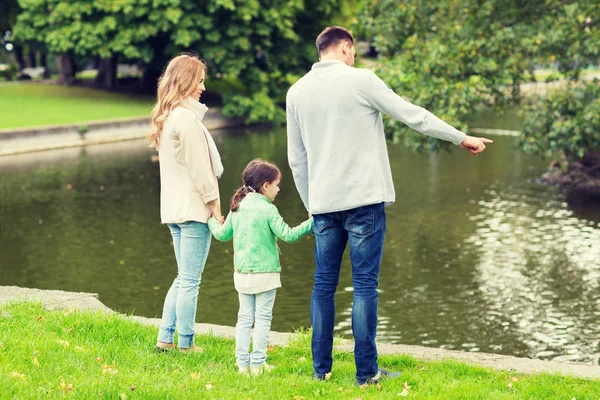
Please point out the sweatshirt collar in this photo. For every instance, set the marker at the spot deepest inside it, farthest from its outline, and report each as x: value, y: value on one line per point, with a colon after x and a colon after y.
x: 199, y: 109
x: 327, y: 64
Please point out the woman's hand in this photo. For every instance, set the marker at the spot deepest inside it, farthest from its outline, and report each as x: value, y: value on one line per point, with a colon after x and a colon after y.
x: 216, y: 211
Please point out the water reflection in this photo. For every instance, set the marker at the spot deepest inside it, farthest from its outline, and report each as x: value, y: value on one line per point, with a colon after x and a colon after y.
x: 477, y: 257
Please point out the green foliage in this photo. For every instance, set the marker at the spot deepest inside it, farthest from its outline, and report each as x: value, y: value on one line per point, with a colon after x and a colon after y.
x: 451, y: 56
x: 227, y: 33
x: 9, y: 72
x: 565, y: 121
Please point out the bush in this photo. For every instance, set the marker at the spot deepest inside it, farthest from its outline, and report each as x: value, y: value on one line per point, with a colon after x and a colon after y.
x: 565, y: 122
x: 9, y: 72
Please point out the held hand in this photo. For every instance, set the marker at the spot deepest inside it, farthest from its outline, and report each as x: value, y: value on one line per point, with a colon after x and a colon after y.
x: 216, y: 212
x: 474, y: 145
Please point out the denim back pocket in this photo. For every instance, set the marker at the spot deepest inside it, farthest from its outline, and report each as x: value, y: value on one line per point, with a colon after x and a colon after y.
x: 361, y: 221
x: 320, y: 224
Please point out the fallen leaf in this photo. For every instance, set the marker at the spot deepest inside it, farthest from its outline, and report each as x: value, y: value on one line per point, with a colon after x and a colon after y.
x: 132, y: 387
x: 406, y: 386
x: 378, y: 386
x: 328, y: 376
x: 209, y: 386
x: 514, y: 379
x: 302, y: 359
x: 121, y: 262
x: 510, y: 385
x: 341, y: 389
x: 195, y: 375
x: 36, y: 363
x: 98, y: 359
x: 421, y: 368
x: 299, y: 397
x: 79, y: 349
x: 123, y: 396
x: 156, y: 287
x: 63, y: 343
x: 65, y: 387
x: 69, y: 186
x: 404, y: 393
x: 16, y: 375
x: 270, y: 348
x: 39, y: 318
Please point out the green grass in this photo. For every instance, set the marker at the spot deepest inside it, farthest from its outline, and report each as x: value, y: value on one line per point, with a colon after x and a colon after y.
x: 63, y: 354
x: 24, y: 105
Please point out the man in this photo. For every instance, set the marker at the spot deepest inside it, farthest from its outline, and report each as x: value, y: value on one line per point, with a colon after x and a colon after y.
x: 338, y: 155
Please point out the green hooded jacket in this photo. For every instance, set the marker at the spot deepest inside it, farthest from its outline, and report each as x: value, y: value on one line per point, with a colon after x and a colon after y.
x: 255, y: 227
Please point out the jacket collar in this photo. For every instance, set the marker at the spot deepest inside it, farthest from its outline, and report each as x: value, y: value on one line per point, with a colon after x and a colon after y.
x: 199, y: 109
x: 258, y: 196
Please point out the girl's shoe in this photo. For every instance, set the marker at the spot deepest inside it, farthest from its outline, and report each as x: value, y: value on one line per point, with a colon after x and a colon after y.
x: 163, y: 347
x: 193, y: 349
x: 243, y: 370
x: 259, y: 369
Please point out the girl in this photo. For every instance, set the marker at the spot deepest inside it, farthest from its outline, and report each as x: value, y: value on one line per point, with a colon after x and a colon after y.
x: 255, y: 224
x: 189, y: 193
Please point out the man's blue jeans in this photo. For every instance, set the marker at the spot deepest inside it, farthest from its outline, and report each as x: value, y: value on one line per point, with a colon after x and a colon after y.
x: 364, y: 228
x: 191, y: 242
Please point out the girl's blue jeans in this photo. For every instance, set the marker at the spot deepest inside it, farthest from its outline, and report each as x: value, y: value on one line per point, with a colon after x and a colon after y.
x: 255, y: 309
x: 191, y: 241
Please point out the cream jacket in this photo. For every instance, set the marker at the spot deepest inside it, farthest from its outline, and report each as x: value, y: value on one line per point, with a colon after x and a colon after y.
x: 187, y: 178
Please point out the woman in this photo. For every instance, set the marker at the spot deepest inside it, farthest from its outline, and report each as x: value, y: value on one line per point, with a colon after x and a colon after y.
x: 189, y: 167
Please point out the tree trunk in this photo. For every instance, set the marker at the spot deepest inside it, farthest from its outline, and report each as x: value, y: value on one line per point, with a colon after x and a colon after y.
x: 19, y: 56
x: 44, y: 64
x: 31, y: 57
x: 107, y: 73
x: 66, y: 69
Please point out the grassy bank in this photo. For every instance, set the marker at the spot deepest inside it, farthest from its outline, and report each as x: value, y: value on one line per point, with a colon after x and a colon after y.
x: 24, y: 105
x: 88, y: 355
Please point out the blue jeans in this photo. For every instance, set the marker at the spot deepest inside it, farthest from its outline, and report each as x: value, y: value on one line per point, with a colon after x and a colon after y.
x: 191, y: 241
x: 255, y: 309
x: 364, y: 228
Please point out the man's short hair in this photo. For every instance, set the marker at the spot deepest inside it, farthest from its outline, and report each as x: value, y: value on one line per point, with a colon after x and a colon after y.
x: 331, y: 36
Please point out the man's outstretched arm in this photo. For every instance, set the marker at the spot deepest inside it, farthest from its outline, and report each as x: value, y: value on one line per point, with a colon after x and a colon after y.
x: 387, y: 101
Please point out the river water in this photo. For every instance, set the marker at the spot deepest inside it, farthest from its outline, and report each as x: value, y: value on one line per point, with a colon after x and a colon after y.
x: 477, y: 256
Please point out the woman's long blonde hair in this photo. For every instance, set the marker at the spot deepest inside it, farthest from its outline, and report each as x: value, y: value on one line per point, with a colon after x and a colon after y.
x: 179, y: 81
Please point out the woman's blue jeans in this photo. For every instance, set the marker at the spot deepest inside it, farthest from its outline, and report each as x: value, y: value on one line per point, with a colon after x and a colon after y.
x: 191, y: 241
x: 364, y: 228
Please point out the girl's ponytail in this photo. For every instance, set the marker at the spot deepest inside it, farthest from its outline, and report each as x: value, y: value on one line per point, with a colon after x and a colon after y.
x: 237, y: 198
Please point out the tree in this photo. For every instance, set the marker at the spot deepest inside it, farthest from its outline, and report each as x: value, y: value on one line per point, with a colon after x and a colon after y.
x: 456, y: 55
x: 229, y: 34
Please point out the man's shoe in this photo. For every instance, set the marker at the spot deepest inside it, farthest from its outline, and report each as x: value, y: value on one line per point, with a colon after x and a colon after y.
x: 381, y: 374
x: 322, y: 377
x: 259, y: 369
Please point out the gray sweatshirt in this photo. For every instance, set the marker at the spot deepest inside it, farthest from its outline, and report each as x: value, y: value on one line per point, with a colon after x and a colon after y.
x: 336, y: 144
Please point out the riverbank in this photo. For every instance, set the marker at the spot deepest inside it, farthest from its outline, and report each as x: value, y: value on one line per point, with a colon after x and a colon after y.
x: 67, y: 302
x: 25, y: 140
x: 581, y: 180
